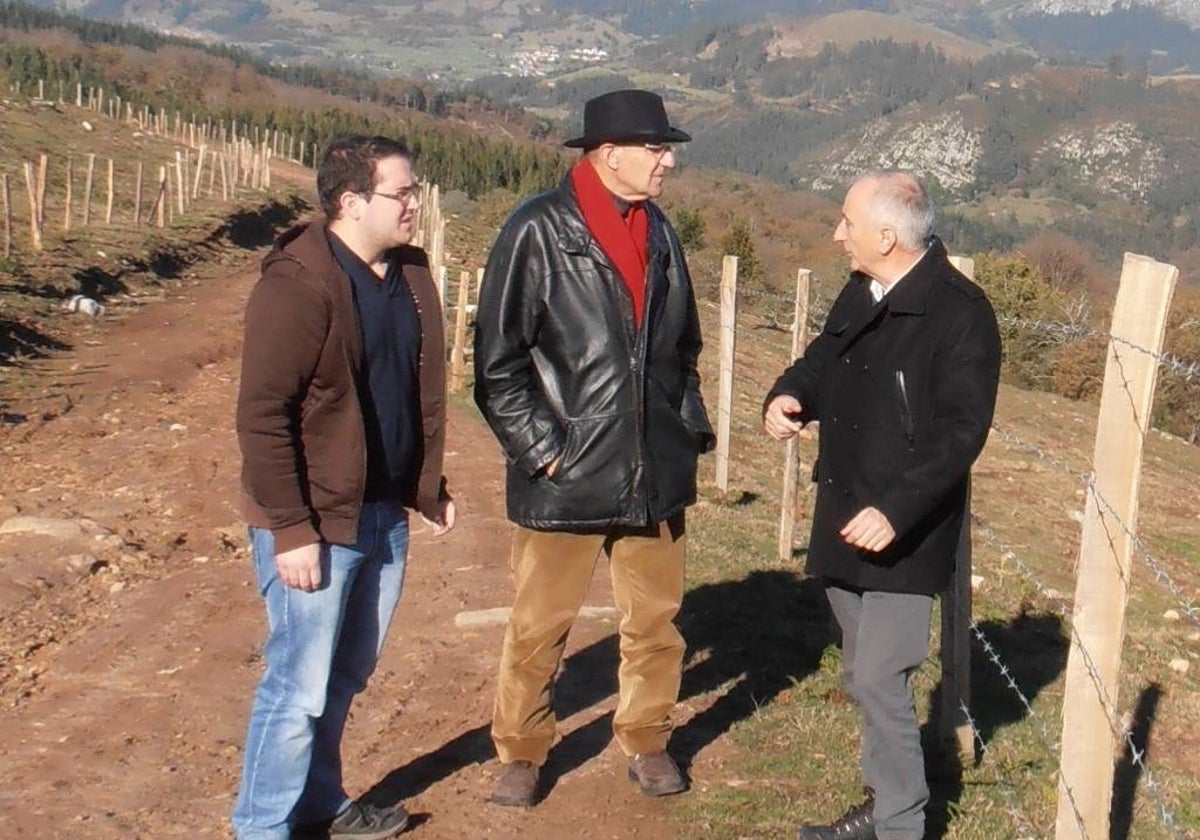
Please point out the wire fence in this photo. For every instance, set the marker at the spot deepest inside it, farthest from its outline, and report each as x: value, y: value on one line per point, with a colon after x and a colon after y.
x: 777, y: 308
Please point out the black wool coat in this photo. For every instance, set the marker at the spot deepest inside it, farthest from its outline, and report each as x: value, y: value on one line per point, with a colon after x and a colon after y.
x: 904, y: 390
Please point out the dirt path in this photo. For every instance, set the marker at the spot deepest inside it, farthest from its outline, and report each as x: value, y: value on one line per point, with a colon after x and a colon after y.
x: 129, y: 636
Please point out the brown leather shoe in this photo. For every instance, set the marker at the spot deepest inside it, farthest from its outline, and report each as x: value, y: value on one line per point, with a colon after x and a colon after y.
x: 517, y: 785
x: 657, y: 774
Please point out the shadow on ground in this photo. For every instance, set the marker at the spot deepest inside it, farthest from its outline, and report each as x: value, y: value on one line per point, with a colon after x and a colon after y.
x: 252, y: 229
x: 1033, y: 646
x: 728, y: 642
x: 21, y: 341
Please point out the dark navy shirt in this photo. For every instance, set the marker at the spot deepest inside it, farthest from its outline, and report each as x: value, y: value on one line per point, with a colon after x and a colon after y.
x: 388, y: 389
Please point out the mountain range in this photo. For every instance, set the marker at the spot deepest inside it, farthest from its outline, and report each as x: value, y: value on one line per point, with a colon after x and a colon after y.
x: 462, y: 39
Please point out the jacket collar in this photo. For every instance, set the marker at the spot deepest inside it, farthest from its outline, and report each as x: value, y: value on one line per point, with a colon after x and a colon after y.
x: 911, y: 295
x: 575, y: 238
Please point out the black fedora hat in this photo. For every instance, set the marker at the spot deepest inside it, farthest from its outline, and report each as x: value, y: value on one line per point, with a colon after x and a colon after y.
x: 625, y: 116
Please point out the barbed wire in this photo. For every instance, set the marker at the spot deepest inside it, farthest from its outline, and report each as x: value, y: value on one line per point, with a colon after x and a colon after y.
x: 1047, y: 737
x: 1136, y: 755
x: 1188, y: 370
x: 1007, y: 553
x: 1022, y: 823
x: 1161, y: 575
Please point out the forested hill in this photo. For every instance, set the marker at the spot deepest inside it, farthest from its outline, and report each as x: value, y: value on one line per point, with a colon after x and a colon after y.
x: 466, y: 149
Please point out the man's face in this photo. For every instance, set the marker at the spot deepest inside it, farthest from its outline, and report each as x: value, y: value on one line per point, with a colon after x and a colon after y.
x: 390, y: 211
x: 857, y: 231
x: 641, y: 169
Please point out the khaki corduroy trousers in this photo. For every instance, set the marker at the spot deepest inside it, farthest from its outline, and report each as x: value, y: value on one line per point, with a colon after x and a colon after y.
x: 552, y: 571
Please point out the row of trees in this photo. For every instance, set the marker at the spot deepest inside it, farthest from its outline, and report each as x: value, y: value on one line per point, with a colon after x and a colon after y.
x: 456, y: 157
x: 413, y: 94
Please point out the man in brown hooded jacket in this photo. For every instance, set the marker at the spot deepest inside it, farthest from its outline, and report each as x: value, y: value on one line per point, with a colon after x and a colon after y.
x: 341, y: 422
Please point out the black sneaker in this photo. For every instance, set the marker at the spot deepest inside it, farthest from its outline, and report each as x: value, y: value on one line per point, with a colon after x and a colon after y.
x: 361, y: 821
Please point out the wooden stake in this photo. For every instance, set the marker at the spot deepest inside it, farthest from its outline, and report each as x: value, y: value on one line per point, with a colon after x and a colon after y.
x: 791, y: 463
x: 87, y: 190
x: 66, y: 225
x: 224, y: 178
x: 161, y: 200
x: 1090, y: 714
x: 187, y: 177
x: 458, y: 369
x: 179, y: 182
x: 43, y: 163
x: 7, y: 216
x: 35, y: 230
x: 137, y: 196
x: 199, y: 171
x: 729, y: 272
x: 108, y: 205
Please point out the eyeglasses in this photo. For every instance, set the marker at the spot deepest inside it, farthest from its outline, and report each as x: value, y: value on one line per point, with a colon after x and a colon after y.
x: 658, y: 149
x: 403, y: 195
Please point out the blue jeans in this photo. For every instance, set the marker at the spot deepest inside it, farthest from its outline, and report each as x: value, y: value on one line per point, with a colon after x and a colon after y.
x: 321, y: 648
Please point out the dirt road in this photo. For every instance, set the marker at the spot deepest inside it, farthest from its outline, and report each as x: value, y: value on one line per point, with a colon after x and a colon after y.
x: 130, y: 628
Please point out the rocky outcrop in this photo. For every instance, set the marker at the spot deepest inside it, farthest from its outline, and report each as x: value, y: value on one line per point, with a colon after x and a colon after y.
x: 1115, y: 159
x: 942, y: 149
x: 1187, y: 11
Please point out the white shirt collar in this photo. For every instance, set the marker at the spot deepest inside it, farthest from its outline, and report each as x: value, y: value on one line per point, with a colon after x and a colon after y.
x: 878, y: 290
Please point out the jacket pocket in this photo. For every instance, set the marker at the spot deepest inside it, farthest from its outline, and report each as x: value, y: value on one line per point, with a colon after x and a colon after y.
x: 565, y: 454
x: 906, y: 414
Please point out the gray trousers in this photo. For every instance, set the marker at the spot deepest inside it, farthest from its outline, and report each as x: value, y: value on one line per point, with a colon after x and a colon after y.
x: 885, y: 638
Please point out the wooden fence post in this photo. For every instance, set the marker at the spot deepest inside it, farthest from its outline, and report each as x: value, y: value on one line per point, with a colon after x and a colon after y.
x: 108, y: 206
x: 43, y: 164
x: 729, y: 272
x: 180, y: 189
x: 186, y: 198
x: 458, y: 357
x: 7, y: 216
x: 67, y: 200
x: 954, y: 728
x: 137, y: 195
x: 1086, y: 770
x: 87, y: 190
x: 791, y: 464
x: 199, y: 171
x: 35, y: 229
x: 161, y: 201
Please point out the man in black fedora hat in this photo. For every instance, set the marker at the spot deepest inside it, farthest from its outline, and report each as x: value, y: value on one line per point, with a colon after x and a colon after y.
x: 585, y: 368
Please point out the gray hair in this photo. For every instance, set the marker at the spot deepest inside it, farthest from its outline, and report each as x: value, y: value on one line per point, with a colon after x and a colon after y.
x: 900, y: 202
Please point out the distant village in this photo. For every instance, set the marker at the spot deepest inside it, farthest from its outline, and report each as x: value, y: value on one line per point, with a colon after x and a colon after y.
x: 540, y: 61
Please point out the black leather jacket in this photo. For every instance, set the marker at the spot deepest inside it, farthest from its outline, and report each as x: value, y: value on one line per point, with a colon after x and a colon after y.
x: 561, y: 371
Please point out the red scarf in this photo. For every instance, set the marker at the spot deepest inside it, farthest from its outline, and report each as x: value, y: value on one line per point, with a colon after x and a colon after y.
x: 623, y: 240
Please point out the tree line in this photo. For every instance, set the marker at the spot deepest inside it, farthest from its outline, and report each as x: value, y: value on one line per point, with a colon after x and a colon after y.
x: 456, y: 157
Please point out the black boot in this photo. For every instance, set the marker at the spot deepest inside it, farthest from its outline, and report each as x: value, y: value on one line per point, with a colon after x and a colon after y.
x: 856, y: 824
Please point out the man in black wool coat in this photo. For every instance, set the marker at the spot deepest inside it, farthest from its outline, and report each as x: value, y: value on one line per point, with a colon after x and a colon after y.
x: 903, y: 380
